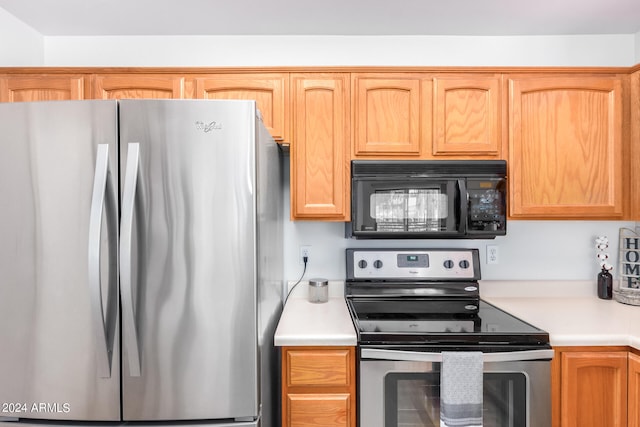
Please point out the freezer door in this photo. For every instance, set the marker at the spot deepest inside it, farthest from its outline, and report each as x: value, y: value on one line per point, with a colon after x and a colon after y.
x: 58, y: 342
x: 188, y: 260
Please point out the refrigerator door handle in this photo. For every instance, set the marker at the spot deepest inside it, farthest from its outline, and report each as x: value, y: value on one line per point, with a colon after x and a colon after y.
x: 104, y: 328
x: 130, y: 329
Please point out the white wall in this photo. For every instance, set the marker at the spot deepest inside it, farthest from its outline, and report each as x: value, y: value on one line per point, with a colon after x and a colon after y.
x: 637, y: 47
x: 606, y: 50
x: 20, y: 45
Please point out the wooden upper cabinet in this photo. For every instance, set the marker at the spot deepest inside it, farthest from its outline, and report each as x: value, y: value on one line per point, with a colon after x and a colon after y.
x: 137, y: 86
x: 269, y: 90
x: 24, y: 88
x: 392, y: 114
x: 565, y: 147
x: 593, y: 389
x: 320, y: 182
x: 467, y: 116
x: 634, y: 170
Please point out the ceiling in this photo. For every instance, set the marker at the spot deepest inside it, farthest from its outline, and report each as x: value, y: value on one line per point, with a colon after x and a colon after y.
x: 327, y: 17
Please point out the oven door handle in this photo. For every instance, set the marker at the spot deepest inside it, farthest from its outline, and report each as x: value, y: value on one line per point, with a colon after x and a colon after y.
x: 418, y: 356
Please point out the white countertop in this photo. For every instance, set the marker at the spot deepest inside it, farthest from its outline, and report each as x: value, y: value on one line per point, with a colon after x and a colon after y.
x: 569, y: 310
x: 306, y: 324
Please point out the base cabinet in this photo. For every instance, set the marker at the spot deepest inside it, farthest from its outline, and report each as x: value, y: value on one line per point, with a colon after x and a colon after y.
x: 318, y: 387
x: 633, y: 395
x: 595, y: 387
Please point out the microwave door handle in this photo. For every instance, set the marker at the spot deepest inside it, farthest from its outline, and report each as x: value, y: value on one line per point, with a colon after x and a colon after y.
x: 433, y: 357
x: 130, y: 330
x: 464, y: 206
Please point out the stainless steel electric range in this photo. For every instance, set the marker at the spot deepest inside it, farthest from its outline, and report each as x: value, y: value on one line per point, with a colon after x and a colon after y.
x: 408, y: 306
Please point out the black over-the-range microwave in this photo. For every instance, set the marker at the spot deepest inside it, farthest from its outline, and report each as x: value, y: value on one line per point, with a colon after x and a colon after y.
x: 428, y: 199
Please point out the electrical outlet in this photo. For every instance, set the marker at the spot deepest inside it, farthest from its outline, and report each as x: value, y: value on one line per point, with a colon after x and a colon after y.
x: 492, y: 254
x: 305, y: 251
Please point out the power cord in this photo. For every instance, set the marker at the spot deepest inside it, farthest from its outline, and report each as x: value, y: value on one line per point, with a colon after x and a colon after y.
x: 304, y: 260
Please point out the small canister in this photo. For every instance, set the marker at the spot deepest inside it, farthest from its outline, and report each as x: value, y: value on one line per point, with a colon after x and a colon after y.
x: 318, y: 290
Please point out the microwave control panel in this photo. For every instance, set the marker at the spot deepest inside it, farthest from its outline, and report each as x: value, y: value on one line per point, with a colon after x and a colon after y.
x: 487, y: 207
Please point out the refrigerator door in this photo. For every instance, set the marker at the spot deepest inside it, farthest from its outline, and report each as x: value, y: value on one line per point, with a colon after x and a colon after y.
x: 59, y: 348
x: 188, y: 259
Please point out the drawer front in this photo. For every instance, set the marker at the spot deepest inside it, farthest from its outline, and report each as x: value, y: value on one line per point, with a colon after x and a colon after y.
x: 322, y: 410
x: 319, y: 368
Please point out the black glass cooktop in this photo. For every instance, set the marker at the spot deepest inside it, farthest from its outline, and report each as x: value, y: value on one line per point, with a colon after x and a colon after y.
x: 440, y: 321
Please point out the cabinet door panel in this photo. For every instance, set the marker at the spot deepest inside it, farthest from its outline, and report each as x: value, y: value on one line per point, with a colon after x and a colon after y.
x: 270, y: 91
x: 319, y: 147
x: 594, y: 389
x: 387, y: 115
x: 137, y: 86
x: 467, y: 116
x: 565, y: 148
x: 41, y: 88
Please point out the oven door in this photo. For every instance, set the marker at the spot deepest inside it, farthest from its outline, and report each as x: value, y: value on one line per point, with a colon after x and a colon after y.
x: 399, y: 388
x: 408, y: 207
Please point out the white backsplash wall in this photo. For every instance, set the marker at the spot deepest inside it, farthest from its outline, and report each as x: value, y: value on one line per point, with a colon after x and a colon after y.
x: 531, y: 250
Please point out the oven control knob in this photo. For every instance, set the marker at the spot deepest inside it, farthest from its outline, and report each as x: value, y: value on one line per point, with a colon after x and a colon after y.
x: 362, y: 263
x: 448, y: 264
x: 377, y: 263
x: 464, y: 264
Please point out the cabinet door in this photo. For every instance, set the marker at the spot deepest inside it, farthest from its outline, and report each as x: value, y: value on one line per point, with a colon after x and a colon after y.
x: 320, y: 147
x: 565, y: 147
x: 25, y: 88
x: 634, y: 181
x: 391, y: 115
x: 269, y: 90
x: 594, y: 389
x: 137, y: 86
x: 634, y: 391
x: 467, y: 116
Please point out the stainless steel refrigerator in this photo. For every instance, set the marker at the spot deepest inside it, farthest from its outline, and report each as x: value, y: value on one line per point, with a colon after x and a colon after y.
x: 140, y: 262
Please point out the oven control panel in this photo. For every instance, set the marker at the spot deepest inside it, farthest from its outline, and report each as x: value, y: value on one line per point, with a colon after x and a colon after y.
x: 416, y: 264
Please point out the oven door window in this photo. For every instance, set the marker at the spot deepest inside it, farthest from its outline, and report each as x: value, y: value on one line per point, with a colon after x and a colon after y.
x: 429, y: 206
x: 413, y: 399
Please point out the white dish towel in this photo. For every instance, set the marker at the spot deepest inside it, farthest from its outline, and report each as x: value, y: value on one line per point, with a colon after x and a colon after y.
x: 461, y: 389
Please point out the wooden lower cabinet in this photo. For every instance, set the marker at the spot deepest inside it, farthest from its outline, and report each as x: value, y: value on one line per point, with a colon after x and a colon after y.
x: 318, y: 387
x: 592, y: 387
x: 633, y: 394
